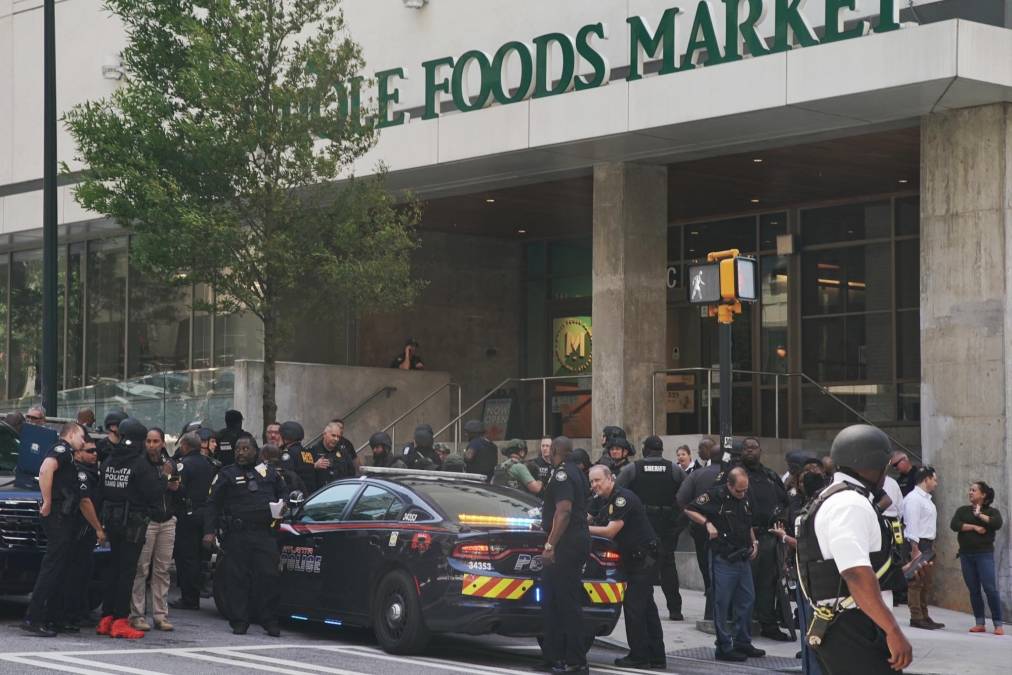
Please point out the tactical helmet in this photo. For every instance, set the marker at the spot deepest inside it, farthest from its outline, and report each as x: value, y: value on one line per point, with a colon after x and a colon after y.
x: 610, y: 432
x: 454, y: 463
x: 233, y: 418
x: 515, y: 445
x: 113, y: 419
x: 133, y: 432
x: 292, y: 431
x: 861, y: 446
x: 619, y: 442
x: 380, y: 438
x: 474, y: 427
x: 423, y: 436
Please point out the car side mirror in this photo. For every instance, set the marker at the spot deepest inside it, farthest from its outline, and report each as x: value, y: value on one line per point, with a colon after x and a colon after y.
x: 295, y: 501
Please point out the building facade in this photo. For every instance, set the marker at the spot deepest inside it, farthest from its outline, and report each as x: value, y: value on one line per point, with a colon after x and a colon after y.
x: 574, y: 158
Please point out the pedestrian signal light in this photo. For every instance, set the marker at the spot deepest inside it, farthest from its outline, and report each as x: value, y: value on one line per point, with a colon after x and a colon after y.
x: 704, y: 284
x: 745, y: 279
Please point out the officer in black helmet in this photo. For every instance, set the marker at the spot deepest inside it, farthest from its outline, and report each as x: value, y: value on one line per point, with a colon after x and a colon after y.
x: 380, y: 443
x: 300, y: 460
x: 513, y: 472
x: 655, y: 481
x: 195, y: 476
x: 270, y: 454
x: 131, y: 487
x: 420, y: 453
x: 481, y: 454
x: 619, y: 451
x: 228, y: 437
x: 845, y: 547
x: 609, y: 433
x: 110, y: 425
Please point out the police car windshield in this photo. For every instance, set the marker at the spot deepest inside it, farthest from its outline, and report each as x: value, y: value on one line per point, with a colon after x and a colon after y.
x: 456, y: 498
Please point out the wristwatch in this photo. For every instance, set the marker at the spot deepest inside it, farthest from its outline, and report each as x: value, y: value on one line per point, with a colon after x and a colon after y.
x: 548, y: 547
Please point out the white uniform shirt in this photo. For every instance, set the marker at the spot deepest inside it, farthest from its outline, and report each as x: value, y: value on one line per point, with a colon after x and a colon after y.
x: 919, y: 515
x: 892, y: 488
x: 847, y: 527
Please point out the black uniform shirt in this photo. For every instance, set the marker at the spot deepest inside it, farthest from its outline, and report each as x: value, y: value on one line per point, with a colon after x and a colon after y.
x: 568, y: 483
x: 731, y: 516
x: 486, y: 456
x: 539, y: 468
x: 636, y: 532
x: 244, y: 493
x: 227, y: 439
x: 767, y: 493
x: 419, y: 457
x: 194, y: 482
x: 65, y: 484
x: 87, y: 482
x: 301, y: 461
x: 342, y: 461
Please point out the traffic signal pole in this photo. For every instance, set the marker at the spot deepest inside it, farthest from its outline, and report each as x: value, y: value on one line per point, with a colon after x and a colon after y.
x: 725, y: 317
x: 50, y: 276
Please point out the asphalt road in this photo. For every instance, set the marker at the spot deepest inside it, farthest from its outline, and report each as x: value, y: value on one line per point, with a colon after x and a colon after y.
x: 202, y: 643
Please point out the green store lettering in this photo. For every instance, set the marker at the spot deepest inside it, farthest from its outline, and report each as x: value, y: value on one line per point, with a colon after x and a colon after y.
x: 581, y: 66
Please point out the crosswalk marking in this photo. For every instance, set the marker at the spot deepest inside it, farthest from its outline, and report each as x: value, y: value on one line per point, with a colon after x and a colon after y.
x: 38, y: 662
x: 424, y: 660
x: 235, y: 652
x: 63, y: 658
x: 238, y: 663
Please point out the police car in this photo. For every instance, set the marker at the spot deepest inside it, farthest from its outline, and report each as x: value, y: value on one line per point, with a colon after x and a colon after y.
x: 411, y: 553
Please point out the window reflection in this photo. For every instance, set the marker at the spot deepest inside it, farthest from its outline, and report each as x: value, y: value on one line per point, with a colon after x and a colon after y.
x: 26, y: 323
x: 107, y: 287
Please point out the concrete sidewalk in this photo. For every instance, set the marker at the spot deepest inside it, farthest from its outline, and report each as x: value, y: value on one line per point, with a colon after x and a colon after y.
x: 948, y: 651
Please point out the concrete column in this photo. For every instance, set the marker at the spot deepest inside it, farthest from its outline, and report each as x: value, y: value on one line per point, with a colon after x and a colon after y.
x: 966, y: 322
x: 629, y: 304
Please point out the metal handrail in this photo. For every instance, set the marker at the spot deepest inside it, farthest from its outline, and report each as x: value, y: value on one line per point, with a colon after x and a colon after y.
x: 521, y: 380
x: 389, y: 389
x: 776, y: 385
x: 391, y: 428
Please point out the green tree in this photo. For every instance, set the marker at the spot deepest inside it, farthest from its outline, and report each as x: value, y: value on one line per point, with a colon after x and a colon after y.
x: 217, y: 152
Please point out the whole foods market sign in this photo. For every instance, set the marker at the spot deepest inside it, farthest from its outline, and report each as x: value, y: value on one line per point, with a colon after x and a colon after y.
x: 584, y: 67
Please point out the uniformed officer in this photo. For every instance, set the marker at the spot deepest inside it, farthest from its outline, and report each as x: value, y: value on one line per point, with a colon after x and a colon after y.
x: 271, y: 455
x: 513, y: 471
x: 481, y: 455
x: 228, y: 436
x: 624, y: 520
x: 844, y: 546
x: 209, y: 447
x: 769, y: 505
x: 79, y: 576
x: 541, y: 466
x: 131, y: 487
x: 339, y: 459
x: 564, y: 518
x: 380, y: 444
x: 62, y: 501
x: 693, y: 487
x: 240, y: 506
x: 111, y: 427
x: 655, y: 481
x: 195, y: 476
x: 300, y: 460
x: 619, y: 451
x: 420, y: 454
x: 726, y: 513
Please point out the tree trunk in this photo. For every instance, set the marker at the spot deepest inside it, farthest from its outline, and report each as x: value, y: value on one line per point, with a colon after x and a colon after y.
x: 270, y: 406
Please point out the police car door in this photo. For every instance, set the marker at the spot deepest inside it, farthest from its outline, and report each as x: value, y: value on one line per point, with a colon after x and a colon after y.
x: 309, y: 562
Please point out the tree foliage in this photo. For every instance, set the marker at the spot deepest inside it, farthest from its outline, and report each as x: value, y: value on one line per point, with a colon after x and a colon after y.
x: 220, y: 150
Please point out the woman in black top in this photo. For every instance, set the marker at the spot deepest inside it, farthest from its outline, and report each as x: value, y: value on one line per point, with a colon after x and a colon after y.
x: 976, y: 524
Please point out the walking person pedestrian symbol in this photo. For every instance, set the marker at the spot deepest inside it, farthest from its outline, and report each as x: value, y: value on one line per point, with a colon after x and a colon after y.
x: 697, y: 286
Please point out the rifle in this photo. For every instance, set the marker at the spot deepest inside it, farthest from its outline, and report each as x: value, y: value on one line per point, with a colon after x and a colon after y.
x: 783, y: 590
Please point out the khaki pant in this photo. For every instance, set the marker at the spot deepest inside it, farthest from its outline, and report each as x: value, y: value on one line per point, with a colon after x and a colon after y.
x: 917, y: 593
x: 155, y: 558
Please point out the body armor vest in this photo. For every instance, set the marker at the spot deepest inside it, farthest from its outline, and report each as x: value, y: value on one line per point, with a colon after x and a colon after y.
x: 653, y: 483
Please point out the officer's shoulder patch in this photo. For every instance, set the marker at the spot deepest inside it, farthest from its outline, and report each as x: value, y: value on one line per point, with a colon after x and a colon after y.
x: 60, y: 449
x: 179, y: 466
x: 285, y: 457
x: 215, y: 479
x: 262, y: 470
x: 406, y: 451
x: 82, y: 476
x: 703, y: 498
x: 620, y: 502
x: 561, y: 475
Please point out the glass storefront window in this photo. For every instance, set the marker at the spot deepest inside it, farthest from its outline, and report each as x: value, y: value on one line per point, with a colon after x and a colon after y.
x: 237, y: 336
x: 771, y: 225
x: 4, y: 289
x: 844, y: 348
x: 201, y: 348
x: 908, y: 345
x: 720, y: 235
x: 908, y: 271
x: 159, y: 325
x: 773, y: 284
x: 107, y: 289
x: 73, y: 353
x: 849, y: 222
x: 26, y: 323
x: 846, y: 280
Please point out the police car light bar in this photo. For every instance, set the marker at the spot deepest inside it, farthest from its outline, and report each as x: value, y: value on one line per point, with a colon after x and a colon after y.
x: 502, y: 521
x: 392, y: 471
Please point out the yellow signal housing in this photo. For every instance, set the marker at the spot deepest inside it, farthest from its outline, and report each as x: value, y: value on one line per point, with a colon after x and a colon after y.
x: 727, y: 279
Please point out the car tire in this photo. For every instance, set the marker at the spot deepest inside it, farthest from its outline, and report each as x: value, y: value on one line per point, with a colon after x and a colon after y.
x: 397, y: 615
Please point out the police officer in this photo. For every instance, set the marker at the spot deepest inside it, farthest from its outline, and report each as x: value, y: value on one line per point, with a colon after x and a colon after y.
x: 624, y: 520
x: 513, y: 472
x: 655, y: 481
x: 131, y: 487
x: 541, y: 466
x: 111, y: 427
x: 271, y: 454
x: 564, y: 518
x: 240, y: 506
x: 61, y: 503
x: 481, y: 454
x: 420, y: 454
x: 77, y: 599
x: 300, y: 460
x: 209, y: 447
x: 195, y: 476
x: 726, y: 513
x: 338, y: 454
x: 619, y: 451
x: 228, y: 436
x: 769, y: 505
x: 380, y: 443
x: 693, y: 487
x: 843, y: 543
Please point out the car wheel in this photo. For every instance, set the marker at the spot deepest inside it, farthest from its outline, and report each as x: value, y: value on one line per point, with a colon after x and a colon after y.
x: 397, y: 615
